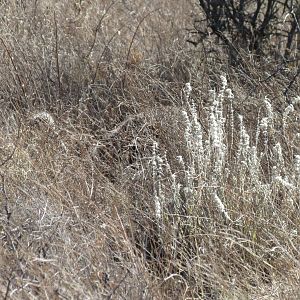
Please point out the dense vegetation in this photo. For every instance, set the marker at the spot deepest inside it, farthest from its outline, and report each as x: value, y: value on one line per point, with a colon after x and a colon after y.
x: 145, y: 153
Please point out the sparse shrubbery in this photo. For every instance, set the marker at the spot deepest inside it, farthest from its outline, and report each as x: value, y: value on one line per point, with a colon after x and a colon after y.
x: 135, y: 167
x: 264, y: 27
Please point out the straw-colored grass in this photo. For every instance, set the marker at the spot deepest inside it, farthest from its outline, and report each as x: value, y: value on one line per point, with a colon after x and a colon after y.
x: 135, y: 166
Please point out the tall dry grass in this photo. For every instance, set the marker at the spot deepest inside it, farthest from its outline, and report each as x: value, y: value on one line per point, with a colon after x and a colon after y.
x: 134, y: 166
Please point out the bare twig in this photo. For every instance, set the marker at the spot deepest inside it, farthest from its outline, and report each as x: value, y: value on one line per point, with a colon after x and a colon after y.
x: 7, y: 211
x: 8, y: 285
x: 56, y: 52
x: 98, y: 27
x: 13, y: 151
x: 292, y: 81
x: 132, y: 40
x: 14, y: 66
x: 99, y: 61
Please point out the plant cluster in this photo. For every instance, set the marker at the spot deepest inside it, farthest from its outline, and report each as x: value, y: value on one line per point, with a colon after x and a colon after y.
x: 255, y: 26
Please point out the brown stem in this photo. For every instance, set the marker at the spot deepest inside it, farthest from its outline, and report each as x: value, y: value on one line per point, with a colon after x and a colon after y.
x: 56, y: 53
x: 14, y: 66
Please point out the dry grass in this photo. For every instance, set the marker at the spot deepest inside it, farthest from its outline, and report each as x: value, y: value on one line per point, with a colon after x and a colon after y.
x: 117, y: 182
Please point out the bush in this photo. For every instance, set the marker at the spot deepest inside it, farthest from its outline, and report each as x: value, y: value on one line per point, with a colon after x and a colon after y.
x: 264, y: 27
